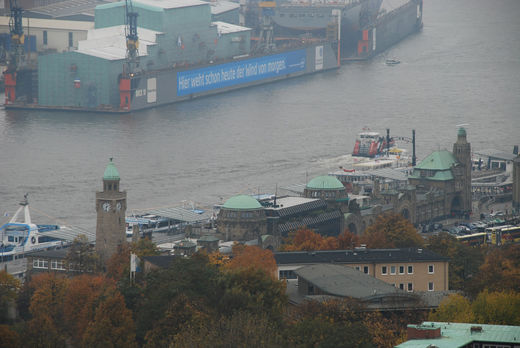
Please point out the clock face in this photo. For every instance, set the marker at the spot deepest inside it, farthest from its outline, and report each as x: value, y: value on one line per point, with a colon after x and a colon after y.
x: 106, y: 206
x: 118, y: 206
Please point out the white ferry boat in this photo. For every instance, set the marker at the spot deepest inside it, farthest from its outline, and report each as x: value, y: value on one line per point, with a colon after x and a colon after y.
x: 18, y: 238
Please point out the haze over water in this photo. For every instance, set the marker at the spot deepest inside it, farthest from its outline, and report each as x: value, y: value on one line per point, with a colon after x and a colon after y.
x: 464, y: 67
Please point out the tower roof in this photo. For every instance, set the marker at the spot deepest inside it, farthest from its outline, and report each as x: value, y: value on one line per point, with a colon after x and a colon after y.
x: 111, y: 172
x: 242, y: 202
x: 461, y: 132
x: 325, y: 182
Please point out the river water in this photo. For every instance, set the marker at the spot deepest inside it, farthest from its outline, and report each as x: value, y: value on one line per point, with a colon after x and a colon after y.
x: 462, y: 68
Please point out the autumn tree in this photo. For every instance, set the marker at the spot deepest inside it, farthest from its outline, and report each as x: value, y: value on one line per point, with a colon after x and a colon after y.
x: 249, y: 257
x: 112, y: 325
x: 84, y: 295
x: 464, y: 260
x: 9, y: 287
x: 8, y: 337
x: 391, y: 231
x: 144, y: 247
x: 500, y: 270
x: 118, y: 265
x: 454, y: 308
x: 45, y: 327
x: 499, y: 308
x: 348, y: 240
x: 81, y: 255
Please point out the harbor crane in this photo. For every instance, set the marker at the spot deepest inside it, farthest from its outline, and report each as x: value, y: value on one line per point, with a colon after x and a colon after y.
x: 16, y: 54
x: 266, y: 38
x: 132, y: 40
x: 129, y: 78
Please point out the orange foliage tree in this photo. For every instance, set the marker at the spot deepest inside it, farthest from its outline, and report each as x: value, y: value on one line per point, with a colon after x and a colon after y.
x: 246, y: 257
x: 112, y: 325
x: 45, y: 329
x: 308, y: 240
x: 391, y: 231
x: 84, y: 294
x: 500, y: 270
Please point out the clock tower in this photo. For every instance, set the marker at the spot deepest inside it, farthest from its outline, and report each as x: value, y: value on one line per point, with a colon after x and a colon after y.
x: 110, y: 209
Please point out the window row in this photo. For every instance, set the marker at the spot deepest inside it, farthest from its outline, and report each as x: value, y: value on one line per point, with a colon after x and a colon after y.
x: 409, y: 286
x: 44, y: 264
x: 401, y: 269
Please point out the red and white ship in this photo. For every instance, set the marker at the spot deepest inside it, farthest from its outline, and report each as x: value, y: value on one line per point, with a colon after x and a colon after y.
x: 370, y: 144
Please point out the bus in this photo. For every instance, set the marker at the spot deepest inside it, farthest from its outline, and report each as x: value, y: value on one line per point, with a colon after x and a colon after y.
x: 504, y: 234
x: 510, y: 234
x: 474, y: 239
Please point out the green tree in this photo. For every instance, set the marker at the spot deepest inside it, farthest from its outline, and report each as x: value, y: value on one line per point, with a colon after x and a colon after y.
x: 333, y: 323
x: 81, y: 256
x: 391, y: 231
x: 9, y: 287
x: 251, y: 290
x: 193, y: 277
x: 454, y: 308
x: 464, y: 260
x: 144, y: 247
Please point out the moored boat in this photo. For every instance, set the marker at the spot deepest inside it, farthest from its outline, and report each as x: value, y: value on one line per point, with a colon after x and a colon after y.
x: 20, y: 237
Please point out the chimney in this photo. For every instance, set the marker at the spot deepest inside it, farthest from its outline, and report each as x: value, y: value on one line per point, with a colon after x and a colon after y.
x: 423, y: 332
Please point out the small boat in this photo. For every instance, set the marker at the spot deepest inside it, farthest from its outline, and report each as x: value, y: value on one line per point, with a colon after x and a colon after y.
x: 18, y: 238
x: 392, y: 61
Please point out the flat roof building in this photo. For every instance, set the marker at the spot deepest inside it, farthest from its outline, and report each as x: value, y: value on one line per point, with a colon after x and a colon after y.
x: 461, y: 335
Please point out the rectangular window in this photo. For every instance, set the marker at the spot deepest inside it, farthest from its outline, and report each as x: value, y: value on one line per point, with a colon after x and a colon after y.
x: 392, y: 269
x: 401, y: 269
x: 430, y: 286
x: 410, y: 287
x: 71, y: 41
x: 357, y: 268
x: 45, y: 37
x: 365, y: 269
x: 401, y: 286
x: 383, y: 270
x: 410, y: 269
x: 57, y: 264
x: 287, y: 274
x: 40, y: 263
x: 430, y: 269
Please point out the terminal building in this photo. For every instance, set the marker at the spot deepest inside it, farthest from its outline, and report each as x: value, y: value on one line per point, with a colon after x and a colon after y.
x: 437, y: 188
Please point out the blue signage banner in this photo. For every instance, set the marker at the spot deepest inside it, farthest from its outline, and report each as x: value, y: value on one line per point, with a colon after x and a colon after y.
x: 244, y: 71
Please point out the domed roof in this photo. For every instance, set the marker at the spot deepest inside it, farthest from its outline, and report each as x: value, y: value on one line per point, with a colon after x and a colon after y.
x: 325, y: 182
x: 111, y: 172
x: 242, y: 202
x: 461, y: 132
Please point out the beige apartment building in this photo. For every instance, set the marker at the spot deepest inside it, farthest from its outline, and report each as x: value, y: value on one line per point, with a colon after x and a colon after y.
x: 409, y: 269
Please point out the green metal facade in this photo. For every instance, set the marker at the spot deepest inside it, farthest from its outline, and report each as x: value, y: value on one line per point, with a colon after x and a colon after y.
x: 187, y: 37
x: 97, y: 80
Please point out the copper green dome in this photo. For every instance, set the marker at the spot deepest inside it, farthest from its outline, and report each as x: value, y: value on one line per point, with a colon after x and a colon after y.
x: 325, y: 182
x: 461, y: 132
x: 242, y: 202
x: 111, y: 172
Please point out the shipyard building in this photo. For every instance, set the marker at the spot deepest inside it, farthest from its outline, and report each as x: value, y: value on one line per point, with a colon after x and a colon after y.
x: 172, y: 33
